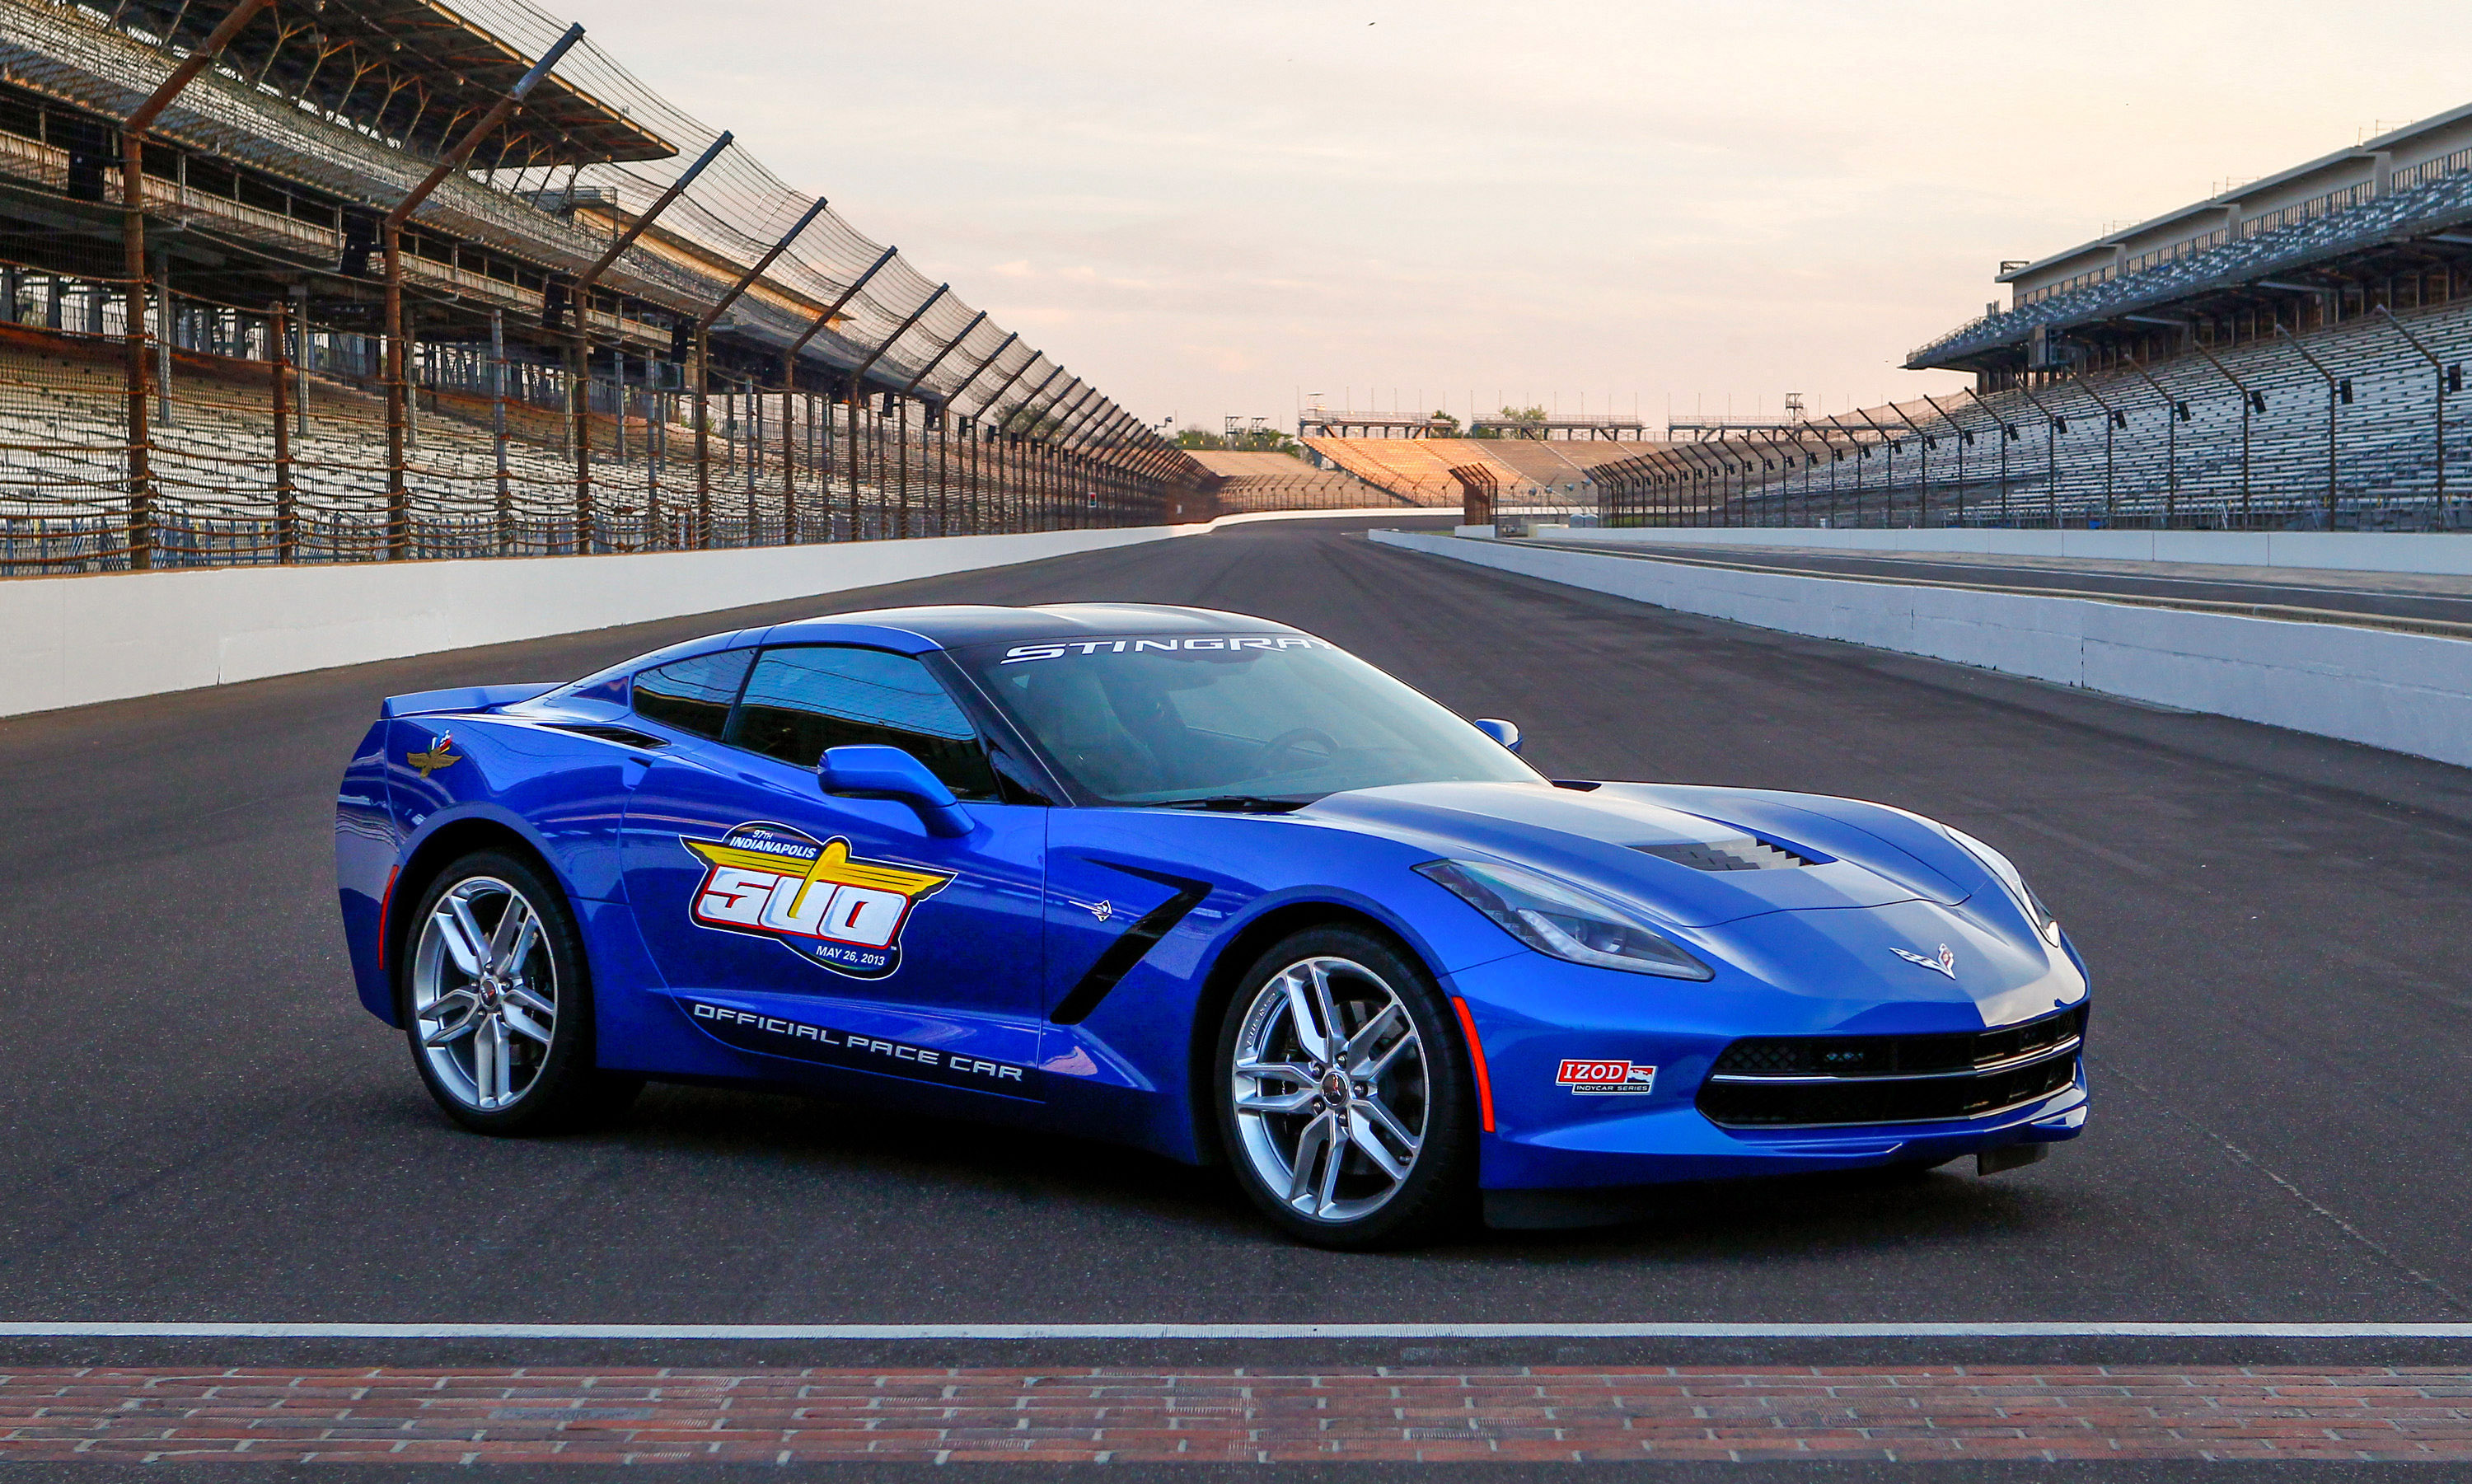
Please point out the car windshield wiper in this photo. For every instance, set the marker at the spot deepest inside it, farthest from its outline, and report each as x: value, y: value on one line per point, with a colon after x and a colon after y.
x: 1234, y: 804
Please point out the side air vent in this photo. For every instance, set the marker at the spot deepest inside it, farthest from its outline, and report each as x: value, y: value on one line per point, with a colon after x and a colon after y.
x: 1743, y: 855
x: 626, y: 735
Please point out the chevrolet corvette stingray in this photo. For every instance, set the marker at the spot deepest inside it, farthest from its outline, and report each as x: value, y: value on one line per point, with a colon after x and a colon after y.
x: 1196, y: 882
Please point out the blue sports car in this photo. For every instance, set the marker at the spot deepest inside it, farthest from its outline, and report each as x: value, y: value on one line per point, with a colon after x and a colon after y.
x: 1200, y: 883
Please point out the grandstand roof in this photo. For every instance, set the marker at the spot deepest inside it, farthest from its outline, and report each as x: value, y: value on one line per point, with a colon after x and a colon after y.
x: 2408, y: 191
x: 2397, y: 220
x: 411, y: 71
x: 2240, y: 196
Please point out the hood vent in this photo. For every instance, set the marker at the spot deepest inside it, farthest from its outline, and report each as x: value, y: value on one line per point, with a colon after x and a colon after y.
x: 1740, y: 853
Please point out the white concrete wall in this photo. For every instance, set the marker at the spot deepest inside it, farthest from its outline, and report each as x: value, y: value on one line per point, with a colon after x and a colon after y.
x: 71, y: 641
x: 2352, y: 552
x: 2406, y: 692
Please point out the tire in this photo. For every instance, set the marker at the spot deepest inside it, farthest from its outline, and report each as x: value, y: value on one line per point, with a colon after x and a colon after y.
x: 496, y: 1001
x: 1384, y: 1159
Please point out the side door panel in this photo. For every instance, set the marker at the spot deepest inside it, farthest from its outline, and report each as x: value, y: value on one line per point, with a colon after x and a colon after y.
x: 810, y: 931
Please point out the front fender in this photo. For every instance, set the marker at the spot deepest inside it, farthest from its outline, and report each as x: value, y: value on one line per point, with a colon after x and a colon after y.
x: 1130, y: 1062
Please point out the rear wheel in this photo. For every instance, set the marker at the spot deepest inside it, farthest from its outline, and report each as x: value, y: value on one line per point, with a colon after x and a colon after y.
x: 1341, y: 1100
x: 498, y: 1005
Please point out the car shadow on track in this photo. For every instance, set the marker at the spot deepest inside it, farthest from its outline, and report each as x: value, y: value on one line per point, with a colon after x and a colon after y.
x: 768, y: 1148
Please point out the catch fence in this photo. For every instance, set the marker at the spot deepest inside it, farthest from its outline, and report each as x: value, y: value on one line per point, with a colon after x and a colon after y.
x: 379, y: 279
x: 2355, y: 427
x: 266, y: 444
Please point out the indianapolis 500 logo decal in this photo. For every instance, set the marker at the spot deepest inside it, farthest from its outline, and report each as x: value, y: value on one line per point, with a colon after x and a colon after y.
x: 810, y: 894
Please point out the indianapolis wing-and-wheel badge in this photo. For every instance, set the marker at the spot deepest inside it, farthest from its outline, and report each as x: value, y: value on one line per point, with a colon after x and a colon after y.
x: 809, y: 894
x: 442, y: 753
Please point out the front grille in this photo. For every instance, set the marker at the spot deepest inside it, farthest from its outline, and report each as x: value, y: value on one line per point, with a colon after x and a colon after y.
x: 1805, y: 1081
x: 1887, y: 1056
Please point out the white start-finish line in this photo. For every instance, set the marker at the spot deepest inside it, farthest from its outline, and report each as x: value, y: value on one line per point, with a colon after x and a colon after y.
x: 2065, y: 1329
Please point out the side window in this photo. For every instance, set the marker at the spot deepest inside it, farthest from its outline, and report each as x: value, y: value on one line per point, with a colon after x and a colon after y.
x: 693, y: 695
x: 803, y: 700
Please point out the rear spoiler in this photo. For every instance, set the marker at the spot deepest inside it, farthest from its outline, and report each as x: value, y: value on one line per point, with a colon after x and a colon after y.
x: 463, y: 698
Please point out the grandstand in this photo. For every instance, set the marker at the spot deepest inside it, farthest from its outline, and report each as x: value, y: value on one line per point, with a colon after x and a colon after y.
x: 405, y: 278
x: 1320, y: 421
x: 1533, y: 476
x: 1242, y: 482
x: 2286, y: 355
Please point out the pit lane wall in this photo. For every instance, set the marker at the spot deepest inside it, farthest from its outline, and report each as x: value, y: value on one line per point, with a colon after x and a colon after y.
x: 73, y: 640
x: 2405, y: 692
x: 2344, y: 551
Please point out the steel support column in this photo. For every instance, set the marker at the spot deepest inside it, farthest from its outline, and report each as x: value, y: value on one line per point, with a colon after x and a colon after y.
x: 141, y: 522
x: 579, y: 387
x: 391, y: 233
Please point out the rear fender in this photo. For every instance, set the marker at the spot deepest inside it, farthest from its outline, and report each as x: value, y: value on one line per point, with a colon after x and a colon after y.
x: 443, y: 839
x: 369, y: 847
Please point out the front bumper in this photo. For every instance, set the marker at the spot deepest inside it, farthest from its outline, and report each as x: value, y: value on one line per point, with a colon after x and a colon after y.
x: 1532, y: 1014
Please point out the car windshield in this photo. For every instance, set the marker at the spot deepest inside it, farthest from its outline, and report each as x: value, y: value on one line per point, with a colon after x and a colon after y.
x: 1227, y: 718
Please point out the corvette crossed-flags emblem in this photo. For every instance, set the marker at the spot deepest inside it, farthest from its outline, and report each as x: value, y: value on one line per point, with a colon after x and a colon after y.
x: 1945, y: 964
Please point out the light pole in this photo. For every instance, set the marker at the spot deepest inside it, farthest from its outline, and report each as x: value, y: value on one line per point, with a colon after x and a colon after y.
x: 2175, y: 413
x: 2113, y: 418
x: 2450, y: 379
x: 2054, y: 425
x: 2337, y: 389
x: 2007, y: 435
x: 2251, y: 401
x: 1964, y: 438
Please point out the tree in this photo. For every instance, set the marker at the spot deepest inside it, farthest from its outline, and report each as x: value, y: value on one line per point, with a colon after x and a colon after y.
x: 1253, y: 441
x: 1530, y: 423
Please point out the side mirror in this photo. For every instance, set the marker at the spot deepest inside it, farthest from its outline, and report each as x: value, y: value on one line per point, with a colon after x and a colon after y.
x: 888, y: 772
x: 1502, y: 732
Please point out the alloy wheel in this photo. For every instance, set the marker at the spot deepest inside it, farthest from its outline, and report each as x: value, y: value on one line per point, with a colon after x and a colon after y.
x: 485, y: 993
x: 1330, y: 1089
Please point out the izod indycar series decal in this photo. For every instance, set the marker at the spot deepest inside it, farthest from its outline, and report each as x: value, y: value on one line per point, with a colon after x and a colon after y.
x: 1606, y: 1077
x: 812, y: 895
x: 776, y: 1036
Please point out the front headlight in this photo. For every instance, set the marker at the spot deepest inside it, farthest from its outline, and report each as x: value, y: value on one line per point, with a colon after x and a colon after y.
x: 2012, y: 878
x: 1558, y: 919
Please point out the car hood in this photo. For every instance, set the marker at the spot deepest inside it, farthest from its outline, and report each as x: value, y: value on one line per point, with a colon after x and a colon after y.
x: 1697, y: 857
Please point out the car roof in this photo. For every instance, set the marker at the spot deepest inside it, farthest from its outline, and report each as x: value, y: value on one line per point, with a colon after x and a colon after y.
x: 953, y: 626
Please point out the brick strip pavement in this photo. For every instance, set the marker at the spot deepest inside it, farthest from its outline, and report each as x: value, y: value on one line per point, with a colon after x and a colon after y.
x: 535, y: 1414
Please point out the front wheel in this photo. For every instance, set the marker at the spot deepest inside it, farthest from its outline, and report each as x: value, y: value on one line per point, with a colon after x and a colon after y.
x: 1341, y: 1100
x: 497, y: 1004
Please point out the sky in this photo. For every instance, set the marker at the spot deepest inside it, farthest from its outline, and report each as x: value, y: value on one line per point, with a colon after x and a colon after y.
x: 1216, y: 209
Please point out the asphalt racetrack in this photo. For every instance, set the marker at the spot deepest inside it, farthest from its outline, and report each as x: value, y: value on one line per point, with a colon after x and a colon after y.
x: 201, y: 1124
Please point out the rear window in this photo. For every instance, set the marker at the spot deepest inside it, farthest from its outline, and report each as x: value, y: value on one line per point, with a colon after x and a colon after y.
x: 693, y: 695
